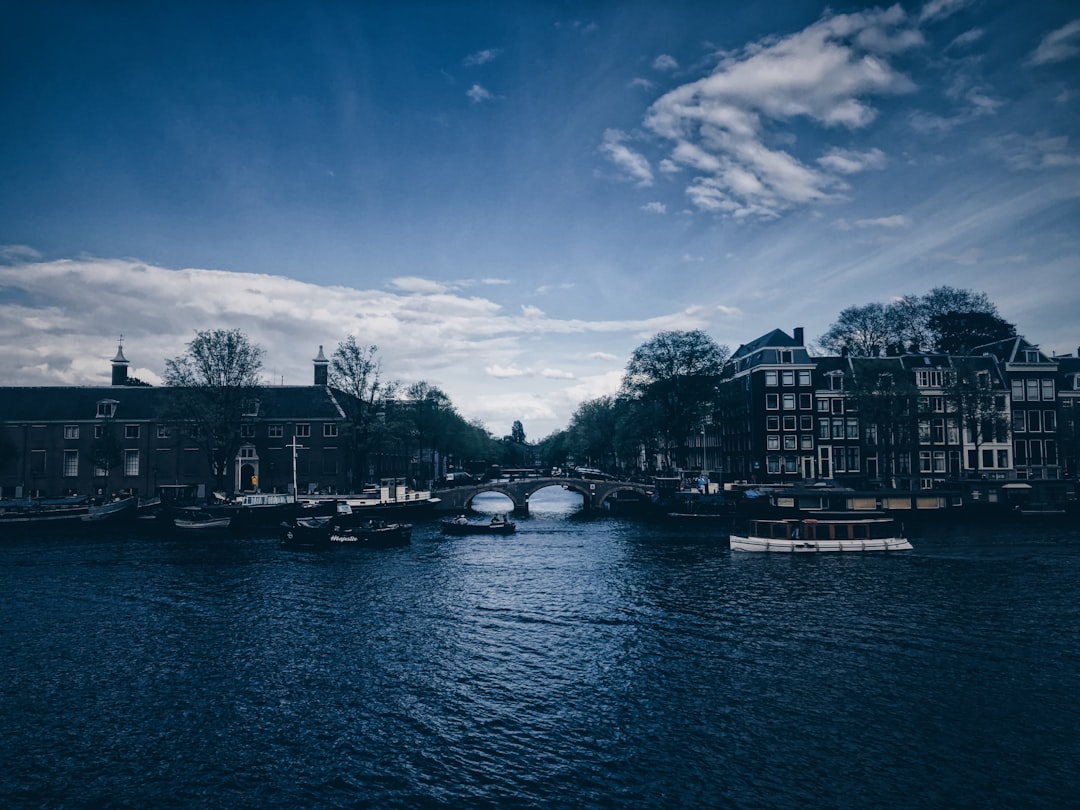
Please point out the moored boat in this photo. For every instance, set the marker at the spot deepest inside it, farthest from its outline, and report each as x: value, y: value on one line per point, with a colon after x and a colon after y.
x: 197, y: 520
x: 24, y: 514
x: 822, y: 534
x: 462, y: 526
x: 392, y: 499
x: 112, y: 511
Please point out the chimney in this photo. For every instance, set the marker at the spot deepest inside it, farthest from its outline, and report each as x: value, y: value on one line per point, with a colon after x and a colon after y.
x: 322, y: 368
x: 798, y: 333
x: 119, y: 366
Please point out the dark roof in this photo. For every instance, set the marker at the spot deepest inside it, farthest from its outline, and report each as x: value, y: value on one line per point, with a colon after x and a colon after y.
x: 142, y: 403
x: 776, y: 338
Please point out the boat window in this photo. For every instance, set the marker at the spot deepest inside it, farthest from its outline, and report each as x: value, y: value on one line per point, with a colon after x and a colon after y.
x: 842, y: 531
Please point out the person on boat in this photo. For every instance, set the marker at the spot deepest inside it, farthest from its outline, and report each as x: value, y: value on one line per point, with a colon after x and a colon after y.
x: 461, y: 520
x: 498, y: 520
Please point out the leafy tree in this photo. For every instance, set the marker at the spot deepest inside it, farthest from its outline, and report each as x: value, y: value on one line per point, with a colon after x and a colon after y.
x: 215, y: 390
x: 863, y: 331
x: 592, y: 432
x: 675, y: 374
x: 960, y: 332
x: 356, y: 371
x: 517, y: 432
x: 946, y: 320
x: 429, y: 408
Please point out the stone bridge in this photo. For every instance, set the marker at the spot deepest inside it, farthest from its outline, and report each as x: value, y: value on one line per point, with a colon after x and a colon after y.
x: 594, y: 493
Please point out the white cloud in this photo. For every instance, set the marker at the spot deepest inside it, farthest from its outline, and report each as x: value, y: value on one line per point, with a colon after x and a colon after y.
x: 417, y: 285
x: 654, y: 208
x: 825, y: 73
x: 643, y: 84
x: 503, y: 372
x: 60, y: 322
x: 1058, y: 46
x: 665, y: 62
x: 478, y: 94
x: 850, y: 161
x: 632, y: 165
x: 1041, y: 151
x: 482, y: 57
x: 18, y: 253
x: 894, y: 221
x: 556, y: 374
x: 940, y: 9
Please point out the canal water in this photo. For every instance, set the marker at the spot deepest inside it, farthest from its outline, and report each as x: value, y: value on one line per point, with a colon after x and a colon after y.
x: 586, y: 661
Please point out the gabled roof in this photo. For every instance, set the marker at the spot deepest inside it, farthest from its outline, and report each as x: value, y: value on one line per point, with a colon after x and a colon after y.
x: 776, y: 338
x: 1009, y: 350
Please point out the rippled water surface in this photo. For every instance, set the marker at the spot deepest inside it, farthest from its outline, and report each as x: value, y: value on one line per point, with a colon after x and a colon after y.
x: 586, y: 661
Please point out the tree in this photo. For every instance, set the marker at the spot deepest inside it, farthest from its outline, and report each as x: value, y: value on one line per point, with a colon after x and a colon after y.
x: 106, y: 451
x: 978, y: 407
x: 943, y: 320
x: 356, y: 371
x: 886, y: 399
x: 863, y: 331
x: 676, y: 373
x: 429, y: 407
x: 960, y: 332
x: 215, y: 390
x: 517, y: 432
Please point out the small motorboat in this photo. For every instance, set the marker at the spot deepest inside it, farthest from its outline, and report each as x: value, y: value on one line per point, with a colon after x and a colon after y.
x: 461, y: 525
x: 196, y: 520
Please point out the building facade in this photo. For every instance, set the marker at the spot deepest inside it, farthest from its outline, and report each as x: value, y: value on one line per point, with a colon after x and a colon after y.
x: 98, y: 440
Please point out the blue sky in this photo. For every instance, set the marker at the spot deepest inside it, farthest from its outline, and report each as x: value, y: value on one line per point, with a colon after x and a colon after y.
x: 508, y: 198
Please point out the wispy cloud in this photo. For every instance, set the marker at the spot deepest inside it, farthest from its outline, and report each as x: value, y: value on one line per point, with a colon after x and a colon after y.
x: 1040, y: 151
x: 654, y: 208
x: 478, y: 94
x: 850, y: 161
x: 1057, y: 46
x: 825, y: 73
x: 631, y: 165
x: 482, y: 57
x: 894, y: 221
x: 665, y: 62
x: 940, y: 9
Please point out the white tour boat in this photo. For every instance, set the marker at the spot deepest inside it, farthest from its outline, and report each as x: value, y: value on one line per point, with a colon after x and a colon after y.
x: 822, y: 534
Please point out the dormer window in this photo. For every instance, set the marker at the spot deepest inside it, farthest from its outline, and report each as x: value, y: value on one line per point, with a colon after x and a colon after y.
x: 1031, y: 356
x: 106, y: 408
x: 786, y: 356
x: 249, y: 407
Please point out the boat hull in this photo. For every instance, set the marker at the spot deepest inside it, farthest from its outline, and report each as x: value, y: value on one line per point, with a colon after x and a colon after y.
x: 750, y: 543
x: 328, y: 533
x: 461, y: 529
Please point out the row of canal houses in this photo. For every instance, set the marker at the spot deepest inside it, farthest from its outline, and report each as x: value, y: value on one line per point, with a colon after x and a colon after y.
x: 785, y: 416
x: 789, y: 416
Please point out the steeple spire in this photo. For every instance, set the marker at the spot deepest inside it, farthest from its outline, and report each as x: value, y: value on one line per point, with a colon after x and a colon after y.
x: 120, y: 365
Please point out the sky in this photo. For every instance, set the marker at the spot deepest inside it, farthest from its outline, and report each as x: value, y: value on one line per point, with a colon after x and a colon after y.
x: 507, y: 198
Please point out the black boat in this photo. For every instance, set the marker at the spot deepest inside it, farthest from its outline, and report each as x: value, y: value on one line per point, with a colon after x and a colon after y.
x: 327, y: 531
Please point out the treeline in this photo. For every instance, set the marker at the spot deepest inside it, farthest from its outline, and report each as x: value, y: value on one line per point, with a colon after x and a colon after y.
x: 389, y: 429
x: 672, y: 385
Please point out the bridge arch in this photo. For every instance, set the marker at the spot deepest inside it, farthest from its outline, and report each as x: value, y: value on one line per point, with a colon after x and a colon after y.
x: 593, y: 492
